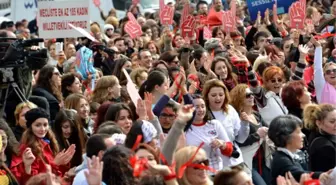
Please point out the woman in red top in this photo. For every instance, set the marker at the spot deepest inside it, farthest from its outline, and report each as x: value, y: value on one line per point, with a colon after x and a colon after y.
x: 39, y: 147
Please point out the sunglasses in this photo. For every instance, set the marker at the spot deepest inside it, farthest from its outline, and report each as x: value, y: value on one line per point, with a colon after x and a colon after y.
x: 249, y: 95
x: 329, y: 71
x: 204, y: 162
x: 109, y: 29
x: 276, y: 80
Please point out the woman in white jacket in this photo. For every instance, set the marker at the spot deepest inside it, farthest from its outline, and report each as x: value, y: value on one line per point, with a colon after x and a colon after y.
x: 216, y: 141
x: 216, y: 97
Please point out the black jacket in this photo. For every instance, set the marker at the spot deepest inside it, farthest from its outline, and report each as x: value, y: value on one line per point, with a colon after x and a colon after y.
x: 322, y: 152
x: 52, y: 100
x: 283, y: 163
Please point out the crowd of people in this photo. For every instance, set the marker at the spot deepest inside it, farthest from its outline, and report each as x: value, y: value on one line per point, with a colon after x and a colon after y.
x: 256, y: 105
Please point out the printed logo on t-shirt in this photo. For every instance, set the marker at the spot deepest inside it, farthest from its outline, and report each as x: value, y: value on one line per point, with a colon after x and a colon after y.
x: 212, y: 132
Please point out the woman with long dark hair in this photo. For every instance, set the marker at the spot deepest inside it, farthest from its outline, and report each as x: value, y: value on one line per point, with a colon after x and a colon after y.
x: 48, y: 85
x: 67, y: 132
x: 71, y: 84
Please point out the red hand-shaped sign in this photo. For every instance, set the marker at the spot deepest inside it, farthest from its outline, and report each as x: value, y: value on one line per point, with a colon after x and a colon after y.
x: 228, y: 21
x: 188, y: 26
x: 166, y: 14
x: 207, y: 33
x: 132, y: 27
x: 96, y: 3
x: 297, y: 15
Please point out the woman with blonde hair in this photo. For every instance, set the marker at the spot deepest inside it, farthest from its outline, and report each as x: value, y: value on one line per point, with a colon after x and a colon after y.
x: 19, y: 114
x: 139, y: 76
x: 321, y: 120
x: 192, y: 175
x: 107, y: 89
x: 79, y: 103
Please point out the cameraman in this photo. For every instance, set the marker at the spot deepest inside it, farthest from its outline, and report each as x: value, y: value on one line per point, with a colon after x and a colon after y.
x: 23, y: 66
x: 104, y: 59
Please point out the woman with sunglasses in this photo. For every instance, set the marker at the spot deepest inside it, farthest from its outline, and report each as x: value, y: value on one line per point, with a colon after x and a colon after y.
x: 267, y: 96
x: 194, y: 172
x: 242, y: 100
x: 204, y: 129
x: 324, y: 77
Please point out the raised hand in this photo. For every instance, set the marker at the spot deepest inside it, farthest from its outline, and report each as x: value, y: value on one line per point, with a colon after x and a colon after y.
x: 149, y: 99
x: 65, y: 156
x: 95, y: 170
x: 141, y: 110
x: 266, y: 19
x: 275, y: 14
x: 185, y: 113
x: 258, y: 21
x: 304, y: 49
x: 28, y: 158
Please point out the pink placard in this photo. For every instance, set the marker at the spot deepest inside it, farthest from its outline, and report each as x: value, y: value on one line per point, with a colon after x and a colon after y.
x: 207, y: 33
x: 166, y: 14
x: 96, y: 3
x: 132, y: 27
x: 297, y: 15
x: 131, y: 89
x: 188, y: 27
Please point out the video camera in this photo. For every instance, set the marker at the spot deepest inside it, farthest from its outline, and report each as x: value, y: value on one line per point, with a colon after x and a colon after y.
x: 17, y: 53
x: 101, y: 47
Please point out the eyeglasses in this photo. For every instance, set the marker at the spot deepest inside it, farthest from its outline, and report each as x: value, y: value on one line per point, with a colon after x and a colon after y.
x: 276, y: 80
x: 329, y: 71
x: 204, y: 162
x: 249, y: 95
x: 109, y: 29
x: 168, y: 116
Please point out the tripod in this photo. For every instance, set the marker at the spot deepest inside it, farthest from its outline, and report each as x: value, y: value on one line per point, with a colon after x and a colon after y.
x: 8, y: 83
